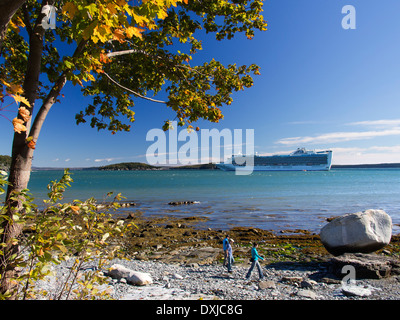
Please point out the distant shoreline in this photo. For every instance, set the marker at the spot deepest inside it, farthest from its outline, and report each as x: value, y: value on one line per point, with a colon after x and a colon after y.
x: 138, y: 166
x: 133, y: 166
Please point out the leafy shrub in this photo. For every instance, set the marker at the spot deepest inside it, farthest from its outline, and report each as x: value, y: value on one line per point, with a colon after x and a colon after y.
x: 75, y: 232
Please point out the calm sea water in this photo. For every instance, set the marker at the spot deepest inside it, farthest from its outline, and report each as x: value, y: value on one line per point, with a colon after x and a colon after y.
x: 268, y: 200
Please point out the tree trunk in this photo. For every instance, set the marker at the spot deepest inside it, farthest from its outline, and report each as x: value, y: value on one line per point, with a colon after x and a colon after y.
x: 19, y: 175
x: 21, y: 162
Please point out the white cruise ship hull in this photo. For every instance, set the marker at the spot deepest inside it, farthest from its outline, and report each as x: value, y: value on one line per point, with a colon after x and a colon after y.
x: 299, y: 160
x: 231, y: 167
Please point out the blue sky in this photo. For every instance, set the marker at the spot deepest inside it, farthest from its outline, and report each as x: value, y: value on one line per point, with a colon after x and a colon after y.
x: 321, y: 87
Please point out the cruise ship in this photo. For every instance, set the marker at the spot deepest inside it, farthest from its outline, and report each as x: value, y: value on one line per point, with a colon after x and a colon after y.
x: 299, y: 160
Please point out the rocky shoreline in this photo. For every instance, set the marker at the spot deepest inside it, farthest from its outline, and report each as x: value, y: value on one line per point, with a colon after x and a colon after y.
x: 283, y: 281
x: 185, y: 263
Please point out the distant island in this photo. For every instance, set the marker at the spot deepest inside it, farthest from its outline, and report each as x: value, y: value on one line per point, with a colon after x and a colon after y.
x: 5, y: 162
x: 132, y: 166
x: 366, y: 166
x: 143, y: 166
x: 128, y: 166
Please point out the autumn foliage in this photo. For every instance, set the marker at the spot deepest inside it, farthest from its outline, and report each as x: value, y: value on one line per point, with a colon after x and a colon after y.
x: 148, y: 33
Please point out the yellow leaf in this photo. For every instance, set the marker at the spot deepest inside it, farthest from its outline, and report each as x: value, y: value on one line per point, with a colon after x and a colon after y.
x: 40, y: 252
x: 162, y: 14
x: 16, y: 89
x: 90, y: 77
x: 4, y: 82
x: 139, y: 19
x: 102, y: 33
x: 119, y: 35
x: 134, y: 31
x: 111, y: 7
x: 22, y: 99
x: 18, y: 125
x: 20, y: 22
x: 75, y: 209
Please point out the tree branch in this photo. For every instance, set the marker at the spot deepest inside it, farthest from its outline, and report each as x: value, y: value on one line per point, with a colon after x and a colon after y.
x: 52, y: 96
x: 123, y: 52
x: 131, y: 91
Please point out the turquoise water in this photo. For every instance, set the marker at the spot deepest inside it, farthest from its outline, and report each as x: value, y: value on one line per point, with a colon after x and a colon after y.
x: 268, y: 200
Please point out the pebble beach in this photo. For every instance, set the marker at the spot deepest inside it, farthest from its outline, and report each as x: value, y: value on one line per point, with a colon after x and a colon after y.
x: 188, y: 266
x: 286, y: 282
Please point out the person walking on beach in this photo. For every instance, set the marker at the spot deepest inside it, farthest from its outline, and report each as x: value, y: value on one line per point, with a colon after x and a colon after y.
x: 230, y: 255
x: 254, y: 262
x: 225, y: 244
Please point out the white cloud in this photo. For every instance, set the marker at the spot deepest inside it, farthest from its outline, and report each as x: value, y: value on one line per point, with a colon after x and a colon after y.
x: 339, y: 137
x: 66, y: 160
x: 377, y: 123
x: 107, y: 159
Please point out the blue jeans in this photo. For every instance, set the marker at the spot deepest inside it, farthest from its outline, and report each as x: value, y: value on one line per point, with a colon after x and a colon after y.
x: 230, y: 262
x: 260, y: 273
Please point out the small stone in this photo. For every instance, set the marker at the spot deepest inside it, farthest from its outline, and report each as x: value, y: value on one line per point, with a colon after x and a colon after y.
x: 329, y: 280
x: 292, y: 280
x: 307, y: 294
x: 307, y: 283
x: 193, y: 265
x: 266, y: 285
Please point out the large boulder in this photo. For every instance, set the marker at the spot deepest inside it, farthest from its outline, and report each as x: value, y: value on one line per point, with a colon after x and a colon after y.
x: 362, y: 232
x: 118, y: 271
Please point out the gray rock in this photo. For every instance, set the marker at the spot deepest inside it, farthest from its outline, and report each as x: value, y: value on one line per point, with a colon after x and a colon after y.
x: 118, y: 271
x: 354, y: 290
x: 363, y: 232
